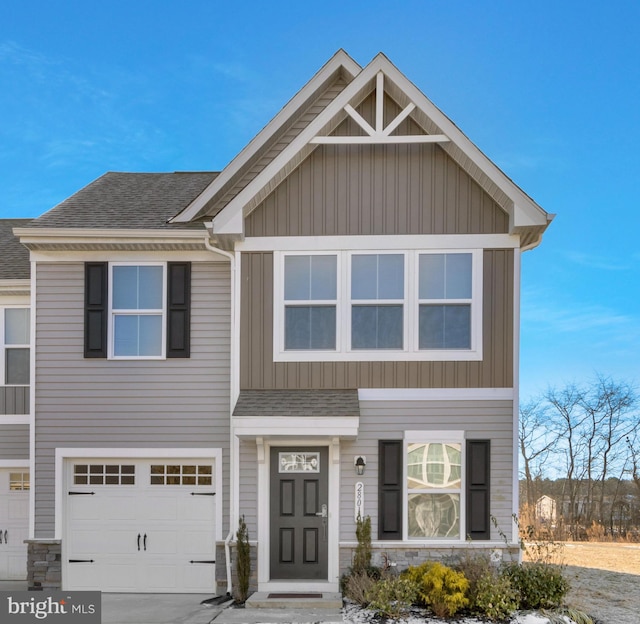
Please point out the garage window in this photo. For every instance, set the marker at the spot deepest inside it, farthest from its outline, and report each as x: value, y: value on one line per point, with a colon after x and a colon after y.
x: 181, y: 474
x: 103, y: 474
x: 18, y: 481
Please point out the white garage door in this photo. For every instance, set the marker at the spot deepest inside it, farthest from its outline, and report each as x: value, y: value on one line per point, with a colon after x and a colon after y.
x: 140, y: 526
x: 14, y: 523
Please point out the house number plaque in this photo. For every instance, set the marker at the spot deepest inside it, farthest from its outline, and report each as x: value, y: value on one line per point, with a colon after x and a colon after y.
x: 359, y: 508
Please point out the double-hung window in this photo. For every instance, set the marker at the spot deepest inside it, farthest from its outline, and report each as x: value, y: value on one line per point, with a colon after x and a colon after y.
x: 434, y: 486
x: 310, y: 302
x: 137, y: 310
x: 377, y: 301
x: 445, y: 290
x: 384, y: 305
x: 15, y: 346
x: 434, y: 480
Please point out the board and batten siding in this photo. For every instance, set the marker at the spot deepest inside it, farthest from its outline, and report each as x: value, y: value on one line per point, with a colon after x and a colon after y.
x: 173, y: 403
x: 14, y: 400
x: 248, y: 478
x: 377, y: 189
x: 388, y: 420
x: 14, y: 441
x: 259, y: 371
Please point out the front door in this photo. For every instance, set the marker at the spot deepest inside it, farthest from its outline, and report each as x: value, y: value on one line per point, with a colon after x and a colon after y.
x: 14, y: 523
x: 299, y: 513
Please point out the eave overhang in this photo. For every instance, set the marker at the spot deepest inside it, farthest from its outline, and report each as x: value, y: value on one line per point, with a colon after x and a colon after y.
x: 79, y: 239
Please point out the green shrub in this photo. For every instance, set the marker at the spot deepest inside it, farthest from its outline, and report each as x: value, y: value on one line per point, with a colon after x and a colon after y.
x: 539, y: 585
x: 392, y: 596
x: 440, y: 588
x: 494, y: 597
x: 362, y: 555
x: 243, y: 561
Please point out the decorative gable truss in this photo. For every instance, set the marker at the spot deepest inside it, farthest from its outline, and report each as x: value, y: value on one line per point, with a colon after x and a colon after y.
x: 227, y: 206
x: 381, y: 133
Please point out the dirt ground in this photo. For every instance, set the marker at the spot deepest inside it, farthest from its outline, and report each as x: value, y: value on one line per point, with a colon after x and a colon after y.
x: 605, y: 580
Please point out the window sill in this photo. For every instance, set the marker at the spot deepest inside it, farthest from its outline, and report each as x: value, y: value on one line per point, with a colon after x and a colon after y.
x: 432, y: 355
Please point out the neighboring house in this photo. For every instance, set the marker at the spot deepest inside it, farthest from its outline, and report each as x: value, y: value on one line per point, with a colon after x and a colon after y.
x: 546, y: 509
x: 327, y: 327
x: 15, y: 374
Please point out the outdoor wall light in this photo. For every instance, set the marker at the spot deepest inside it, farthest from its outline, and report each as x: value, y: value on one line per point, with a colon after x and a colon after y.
x: 360, y: 463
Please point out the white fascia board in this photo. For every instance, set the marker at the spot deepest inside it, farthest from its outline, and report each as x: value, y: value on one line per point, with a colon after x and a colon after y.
x: 14, y: 463
x: 321, y: 426
x: 339, y: 60
x: 436, y: 394
x: 379, y: 242
x: 526, y: 211
x: 131, y: 255
x: 93, y: 235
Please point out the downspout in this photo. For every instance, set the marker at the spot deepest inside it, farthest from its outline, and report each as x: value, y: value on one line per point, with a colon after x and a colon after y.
x: 233, y: 395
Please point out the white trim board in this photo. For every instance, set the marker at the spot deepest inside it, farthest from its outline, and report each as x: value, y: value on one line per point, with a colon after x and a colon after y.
x: 14, y: 463
x: 405, y: 242
x: 436, y: 394
x: 323, y: 426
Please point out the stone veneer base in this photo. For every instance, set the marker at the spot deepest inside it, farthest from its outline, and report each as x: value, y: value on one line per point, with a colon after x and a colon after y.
x: 44, y: 564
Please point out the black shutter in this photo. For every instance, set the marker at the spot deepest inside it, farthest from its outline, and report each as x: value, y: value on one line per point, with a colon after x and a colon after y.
x: 178, y: 309
x: 95, y: 309
x: 390, y: 490
x: 478, y: 490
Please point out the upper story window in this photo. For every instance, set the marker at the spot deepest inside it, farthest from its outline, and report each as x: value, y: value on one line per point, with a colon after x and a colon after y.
x: 310, y: 296
x: 388, y: 305
x: 137, y: 310
x: 15, y: 346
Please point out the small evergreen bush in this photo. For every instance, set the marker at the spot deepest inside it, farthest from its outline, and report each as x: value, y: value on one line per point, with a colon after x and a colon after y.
x: 362, y: 555
x: 440, y: 588
x: 494, y: 597
x: 392, y: 596
x: 539, y: 585
x: 243, y: 561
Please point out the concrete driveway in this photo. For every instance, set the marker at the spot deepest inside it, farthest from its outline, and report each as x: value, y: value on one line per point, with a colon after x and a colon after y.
x: 146, y: 608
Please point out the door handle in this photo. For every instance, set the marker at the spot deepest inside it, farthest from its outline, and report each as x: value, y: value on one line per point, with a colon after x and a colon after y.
x: 138, y: 541
x: 0, y: 536
x: 323, y: 513
x: 6, y: 537
x: 144, y: 541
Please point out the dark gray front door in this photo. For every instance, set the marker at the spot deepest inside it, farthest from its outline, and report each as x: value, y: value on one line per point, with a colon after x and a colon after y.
x: 299, y: 513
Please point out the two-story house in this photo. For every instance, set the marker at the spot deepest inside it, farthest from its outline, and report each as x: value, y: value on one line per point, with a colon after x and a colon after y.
x: 327, y: 327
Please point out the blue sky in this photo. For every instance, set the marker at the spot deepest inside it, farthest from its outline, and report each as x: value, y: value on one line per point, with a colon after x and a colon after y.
x: 549, y: 90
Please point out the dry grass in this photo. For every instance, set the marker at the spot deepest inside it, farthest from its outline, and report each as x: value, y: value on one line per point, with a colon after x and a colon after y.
x: 605, y: 580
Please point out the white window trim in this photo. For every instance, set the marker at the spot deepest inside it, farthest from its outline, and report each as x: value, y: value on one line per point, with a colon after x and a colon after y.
x: 112, y: 314
x: 413, y: 437
x: 4, y: 347
x: 410, y: 351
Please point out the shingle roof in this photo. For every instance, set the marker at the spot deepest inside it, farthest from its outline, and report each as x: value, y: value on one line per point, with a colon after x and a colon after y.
x: 128, y: 201
x: 299, y: 403
x: 14, y: 257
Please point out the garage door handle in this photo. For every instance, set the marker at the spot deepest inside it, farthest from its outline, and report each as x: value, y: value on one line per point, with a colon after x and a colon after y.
x: 138, y: 541
x: 0, y: 537
x: 144, y: 541
x: 6, y: 538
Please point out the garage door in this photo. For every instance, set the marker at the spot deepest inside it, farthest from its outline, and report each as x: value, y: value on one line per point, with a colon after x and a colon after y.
x: 140, y: 526
x: 14, y: 523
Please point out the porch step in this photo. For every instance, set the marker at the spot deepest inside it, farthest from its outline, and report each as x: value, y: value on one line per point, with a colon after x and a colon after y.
x: 295, y: 600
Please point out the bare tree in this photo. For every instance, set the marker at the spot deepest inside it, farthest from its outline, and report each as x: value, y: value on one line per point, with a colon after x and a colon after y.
x: 536, y: 443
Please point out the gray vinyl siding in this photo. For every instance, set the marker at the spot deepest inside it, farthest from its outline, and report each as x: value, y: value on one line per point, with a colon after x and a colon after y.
x: 14, y: 441
x: 249, y: 486
x: 382, y: 420
x: 259, y: 371
x: 181, y: 403
x: 14, y: 400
